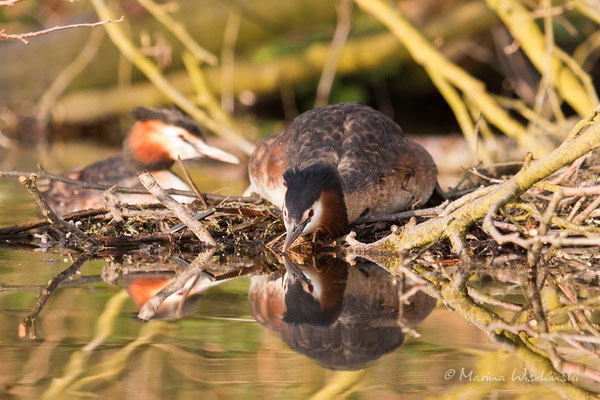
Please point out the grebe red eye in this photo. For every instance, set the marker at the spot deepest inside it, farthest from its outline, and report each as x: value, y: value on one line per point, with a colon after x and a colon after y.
x: 311, y: 213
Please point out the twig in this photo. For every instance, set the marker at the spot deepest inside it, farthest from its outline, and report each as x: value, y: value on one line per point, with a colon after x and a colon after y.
x: 424, y: 212
x: 67, y: 74
x: 232, y: 28
x: 191, y: 182
x: 340, y: 35
x: 127, y: 190
x: 180, y: 32
x: 155, y: 75
x: 24, y: 36
x: 197, y: 217
x: 27, y: 326
x: 533, y: 256
x: 179, y: 210
x: 111, y: 202
x: 54, y: 219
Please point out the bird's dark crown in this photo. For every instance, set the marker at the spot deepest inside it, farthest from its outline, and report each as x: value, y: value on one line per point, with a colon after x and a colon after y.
x: 170, y: 116
x: 304, y: 186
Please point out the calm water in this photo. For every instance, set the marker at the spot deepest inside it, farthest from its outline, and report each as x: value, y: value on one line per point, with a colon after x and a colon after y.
x: 240, y: 338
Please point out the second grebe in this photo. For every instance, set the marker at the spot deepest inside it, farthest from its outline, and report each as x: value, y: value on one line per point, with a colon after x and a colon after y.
x: 159, y: 136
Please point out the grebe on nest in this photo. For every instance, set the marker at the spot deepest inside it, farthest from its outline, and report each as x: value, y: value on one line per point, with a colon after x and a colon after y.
x: 336, y: 163
x: 159, y: 136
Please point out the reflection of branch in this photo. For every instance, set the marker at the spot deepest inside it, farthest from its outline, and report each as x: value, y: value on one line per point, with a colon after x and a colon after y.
x: 196, y: 268
x: 24, y: 36
x: 78, y: 362
x: 27, y: 326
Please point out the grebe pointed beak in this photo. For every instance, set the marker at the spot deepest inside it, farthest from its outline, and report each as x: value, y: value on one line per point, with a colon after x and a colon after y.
x: 294, y: 232
x: 294, y: 271
x: 215, y: 153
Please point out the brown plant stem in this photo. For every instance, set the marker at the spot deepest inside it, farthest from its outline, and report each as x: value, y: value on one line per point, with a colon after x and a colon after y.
x: 52, y: 217
x: 179, y: 210
x: 24, y: 36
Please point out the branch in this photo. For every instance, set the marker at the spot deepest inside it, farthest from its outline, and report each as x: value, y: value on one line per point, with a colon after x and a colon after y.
x: 179, y: 210
x: 54, y: 219
x: 268, y: 77
x: 154, y: 74
x: 179, y: 31
x: 335, y: 50
x: 121, y: 189
x: 24, y: 36
x: 150, y: 308
x: 582, y: 139
x: 27, y: 326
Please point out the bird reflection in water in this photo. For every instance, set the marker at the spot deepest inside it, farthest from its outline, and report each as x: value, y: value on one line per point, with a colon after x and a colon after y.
x: 342, y: 316
x: 183, y: 302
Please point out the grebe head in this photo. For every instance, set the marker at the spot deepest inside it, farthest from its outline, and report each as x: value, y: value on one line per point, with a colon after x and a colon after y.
x: 314, y: 201
x: 162, y: 134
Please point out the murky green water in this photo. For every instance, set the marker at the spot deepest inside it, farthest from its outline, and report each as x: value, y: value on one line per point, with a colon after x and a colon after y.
x: 89, y: 343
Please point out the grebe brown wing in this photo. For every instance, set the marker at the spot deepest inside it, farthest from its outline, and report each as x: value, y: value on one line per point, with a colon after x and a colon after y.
x: 383, y: 171
x: 65, y: 198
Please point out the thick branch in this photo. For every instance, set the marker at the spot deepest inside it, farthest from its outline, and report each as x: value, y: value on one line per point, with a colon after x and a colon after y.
x: 582, y: 139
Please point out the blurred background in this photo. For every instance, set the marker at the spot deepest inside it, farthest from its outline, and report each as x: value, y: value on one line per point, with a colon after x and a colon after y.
x: 511, y: 76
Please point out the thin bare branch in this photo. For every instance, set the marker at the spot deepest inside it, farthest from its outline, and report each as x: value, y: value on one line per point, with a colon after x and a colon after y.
x: 24, y: 36
x: 335, y: 50
x: 179, y: 210
x: 53, y: 218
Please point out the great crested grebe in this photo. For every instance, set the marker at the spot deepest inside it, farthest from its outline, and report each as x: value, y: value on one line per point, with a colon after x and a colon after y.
x: 336, y: 163
x: 159, y: 136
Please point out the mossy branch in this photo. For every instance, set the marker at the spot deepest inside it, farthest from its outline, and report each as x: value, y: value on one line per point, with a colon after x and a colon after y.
x: 268, y: 76
x: 445, y: 73
x: 179, y: 31
x: 584, y: 137
x: 573, y: 84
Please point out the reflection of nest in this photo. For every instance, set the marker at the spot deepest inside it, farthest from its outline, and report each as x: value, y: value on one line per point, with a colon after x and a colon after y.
x: 365, y: 327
